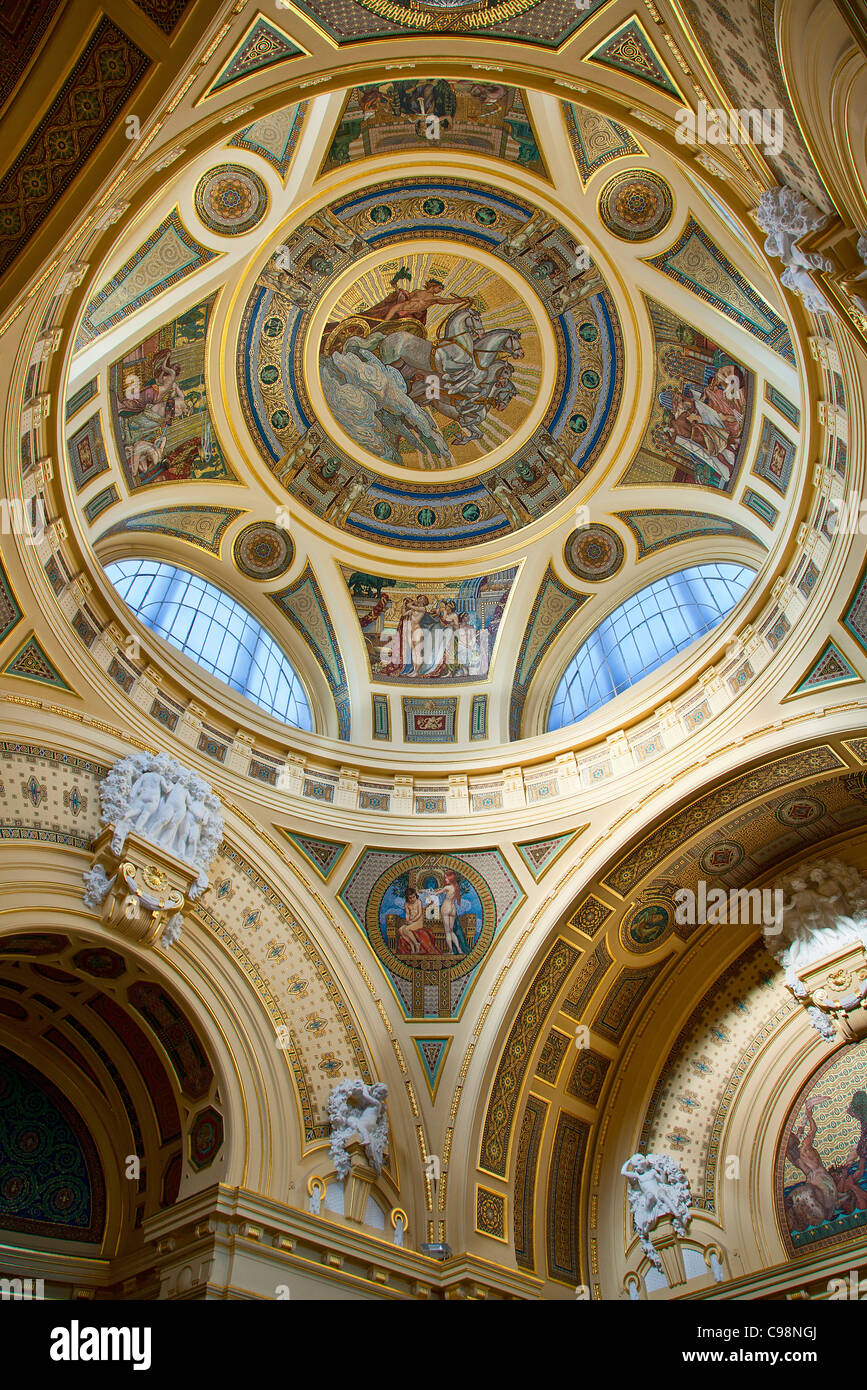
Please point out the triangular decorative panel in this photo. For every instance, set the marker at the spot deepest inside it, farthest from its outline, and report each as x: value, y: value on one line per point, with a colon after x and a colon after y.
x: 321, y: 855
x: 655, y: 528
x: 262, y: 46
x: 31, y: 664
x: 539, y: 855
x: 201, y: 526
x: 432, y: 1052
x: 274, y: 137
x: 10, y: 613
x: 830, y: 668
x: 596, y: 140
x: 168, y: 255
x: 554, y: 605
x: 629, y: 50
x: 696, y: 262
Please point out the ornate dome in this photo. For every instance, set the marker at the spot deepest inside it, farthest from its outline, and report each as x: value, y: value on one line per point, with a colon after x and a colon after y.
x: 435, y: 436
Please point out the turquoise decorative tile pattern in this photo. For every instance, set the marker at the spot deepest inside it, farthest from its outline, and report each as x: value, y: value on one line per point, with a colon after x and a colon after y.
x: 305, y: 608
x: 262, y: 46
x: 696, y: 262
x: 168, y: 255
x: 274, y: 137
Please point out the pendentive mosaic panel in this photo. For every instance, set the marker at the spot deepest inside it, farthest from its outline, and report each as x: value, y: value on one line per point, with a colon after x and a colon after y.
x: 446, y: 633
x: 596, y: 139
x: 168, y: 255
x: 160, y: 412
x: 274, y: 137
x: 655, y: 529
x: 201, y: 526
x: 696, y: 262
x: 553, y: 606
x: 700, y: 417
x: 430, y: 919
x: 302, y: 603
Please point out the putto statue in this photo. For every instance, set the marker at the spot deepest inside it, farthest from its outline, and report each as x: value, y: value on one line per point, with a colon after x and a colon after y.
x: 656, y: 1187
x: 824, y: 907
x: 786, y: 216
x: 821, y: 942
x: 164, y: 802
x: 354, y: 1108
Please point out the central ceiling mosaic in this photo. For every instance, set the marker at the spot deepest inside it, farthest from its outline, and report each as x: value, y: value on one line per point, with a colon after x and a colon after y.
x: 430, y: 326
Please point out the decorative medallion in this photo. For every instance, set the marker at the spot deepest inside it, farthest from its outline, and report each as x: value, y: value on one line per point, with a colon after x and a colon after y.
x: 263, y: 551
x: 467, y: 341
x: 231, y: 199
x: 722, y: 857
x: 429, y: 326
x: 643, y: 929
x: 594, y: 553
x: 800, y: 810
x: 636, y: 205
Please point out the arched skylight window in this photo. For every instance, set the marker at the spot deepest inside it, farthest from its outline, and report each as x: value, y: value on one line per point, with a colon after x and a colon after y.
x: 212, y: 629
x: 643, y: 633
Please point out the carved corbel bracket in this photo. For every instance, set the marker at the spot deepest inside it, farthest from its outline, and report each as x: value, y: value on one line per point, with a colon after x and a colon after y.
x: 140, y: 892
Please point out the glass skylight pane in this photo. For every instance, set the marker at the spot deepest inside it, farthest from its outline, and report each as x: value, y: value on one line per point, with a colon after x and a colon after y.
x: 210, y: 627
x: 646, y: 630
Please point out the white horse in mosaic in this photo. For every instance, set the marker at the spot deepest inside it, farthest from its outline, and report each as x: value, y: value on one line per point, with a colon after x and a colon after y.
x: 466, y: 361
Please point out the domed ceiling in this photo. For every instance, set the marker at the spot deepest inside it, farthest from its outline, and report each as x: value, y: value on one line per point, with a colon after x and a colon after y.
x: 431, y: 376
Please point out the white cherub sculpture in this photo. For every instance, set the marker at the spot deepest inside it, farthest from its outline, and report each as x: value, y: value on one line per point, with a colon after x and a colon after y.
x: 163, y: 801
x: 786, y: 216
x: 354, y: 1108
x: 656, y: 1187
x: 824, y: 907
